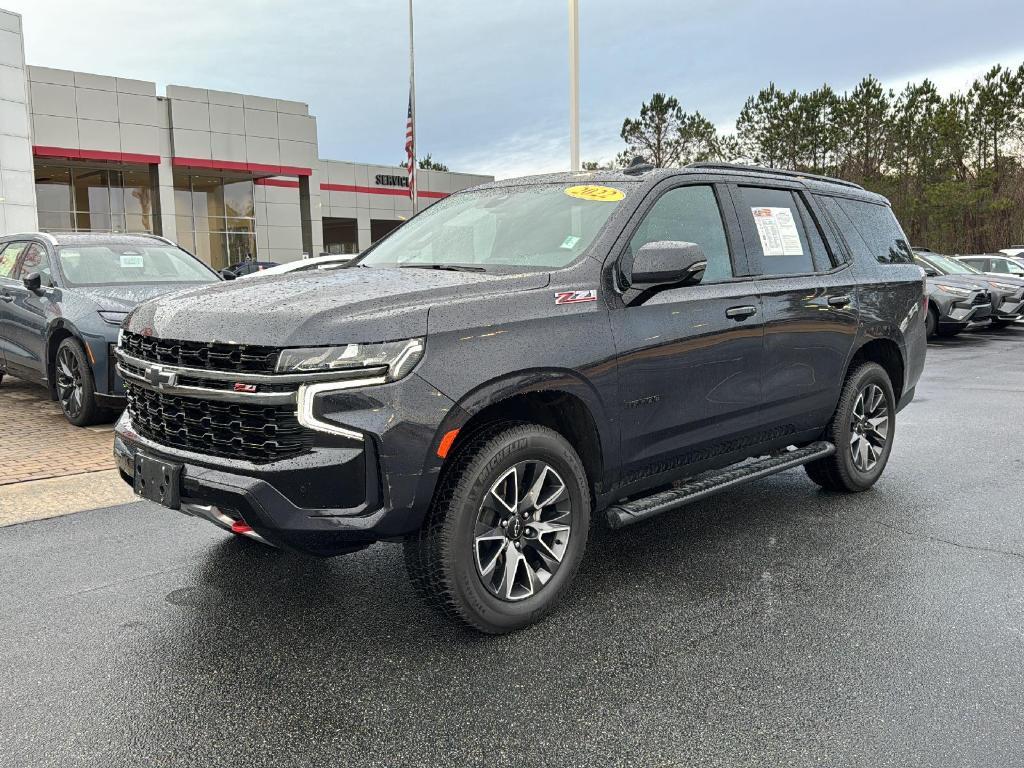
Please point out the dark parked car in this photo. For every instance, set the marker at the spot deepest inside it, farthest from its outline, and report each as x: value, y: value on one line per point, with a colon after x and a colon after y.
x: 528, y: 355
x: 246, y: 267
x: 62, y: 300
x: 956, y: 298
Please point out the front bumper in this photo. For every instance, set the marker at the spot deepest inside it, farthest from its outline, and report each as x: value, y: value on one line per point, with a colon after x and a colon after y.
x: 963, y: 315
x: 338, y: 497
x: 1009, y: 310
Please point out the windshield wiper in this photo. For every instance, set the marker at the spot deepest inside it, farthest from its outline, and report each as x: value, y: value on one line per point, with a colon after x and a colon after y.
x: 448, y: 267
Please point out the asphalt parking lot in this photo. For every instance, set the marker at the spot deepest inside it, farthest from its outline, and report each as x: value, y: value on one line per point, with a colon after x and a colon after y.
x: 772, y: 625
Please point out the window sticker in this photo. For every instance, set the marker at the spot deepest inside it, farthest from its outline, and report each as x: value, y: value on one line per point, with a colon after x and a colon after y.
x: 593, y: 192
x: 777, y: 229
x: 132, y: 261
x: 570, y: 242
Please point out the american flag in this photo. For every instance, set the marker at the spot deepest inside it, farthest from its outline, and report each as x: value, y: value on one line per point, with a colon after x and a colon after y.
x: 410, y: 151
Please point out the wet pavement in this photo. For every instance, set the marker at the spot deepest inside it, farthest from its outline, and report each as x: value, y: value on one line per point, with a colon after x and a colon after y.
x: 772, y: 625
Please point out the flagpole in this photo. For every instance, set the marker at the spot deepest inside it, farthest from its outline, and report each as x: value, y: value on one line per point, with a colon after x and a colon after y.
x: 412, y: 101
x: 574, y: 85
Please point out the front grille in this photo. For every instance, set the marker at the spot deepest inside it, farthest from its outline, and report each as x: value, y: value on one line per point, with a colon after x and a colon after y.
x: 241, y: 358
x: 982, y: 298
x: 256, y: 433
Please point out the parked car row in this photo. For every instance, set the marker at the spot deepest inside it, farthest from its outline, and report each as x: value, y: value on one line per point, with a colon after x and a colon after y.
x: 970, y: 289
x: 63, y: 298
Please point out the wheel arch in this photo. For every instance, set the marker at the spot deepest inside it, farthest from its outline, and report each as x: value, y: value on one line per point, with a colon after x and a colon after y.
x: 559, y: 400
x: 886, y: 353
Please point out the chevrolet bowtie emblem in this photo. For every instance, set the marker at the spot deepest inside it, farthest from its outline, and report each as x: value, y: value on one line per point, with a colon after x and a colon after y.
x: 158, y: 377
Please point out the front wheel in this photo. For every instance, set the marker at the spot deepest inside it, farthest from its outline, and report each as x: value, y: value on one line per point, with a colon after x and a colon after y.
x: 997, y: 323
x: 507, y: 529
x: 76, y: 389
x: 932, y: 322
x: 862, y: 430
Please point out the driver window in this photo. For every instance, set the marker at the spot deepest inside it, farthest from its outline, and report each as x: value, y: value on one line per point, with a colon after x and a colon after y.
x: 689, y: 215
x: 35, y: 259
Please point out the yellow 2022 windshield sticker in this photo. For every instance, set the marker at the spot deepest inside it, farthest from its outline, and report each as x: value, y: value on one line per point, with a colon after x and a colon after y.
x: 592, y: 192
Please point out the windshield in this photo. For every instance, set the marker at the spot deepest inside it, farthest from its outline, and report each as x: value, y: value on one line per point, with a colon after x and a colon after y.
x: 948, y: 266
x: 544, y: 226
x: 116, y: 264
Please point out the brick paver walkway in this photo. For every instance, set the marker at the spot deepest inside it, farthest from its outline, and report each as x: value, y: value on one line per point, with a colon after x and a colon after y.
x: 36, y: 441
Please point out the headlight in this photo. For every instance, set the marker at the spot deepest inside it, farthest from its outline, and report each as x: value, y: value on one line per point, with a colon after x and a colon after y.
x: 953, y: 290
x: 400, y: 357
x: 1004, y: 286
x: 114, y: 318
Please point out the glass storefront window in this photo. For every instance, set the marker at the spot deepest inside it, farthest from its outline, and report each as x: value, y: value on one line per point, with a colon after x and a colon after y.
x: 93, y: 199
x: 221, y: 227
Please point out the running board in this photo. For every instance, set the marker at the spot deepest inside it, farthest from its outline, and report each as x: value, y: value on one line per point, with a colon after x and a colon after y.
x: 708, y: 483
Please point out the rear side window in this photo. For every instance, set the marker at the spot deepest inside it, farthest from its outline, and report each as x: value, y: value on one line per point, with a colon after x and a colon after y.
x: 689, y: 215
x: 775, y: 227
x: 9, y: 257
x: 1007, y: 267
x: 870, y: 230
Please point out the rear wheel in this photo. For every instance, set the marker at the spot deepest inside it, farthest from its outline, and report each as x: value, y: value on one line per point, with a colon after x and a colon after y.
x: 862, y: 430
x: 76, y: 389
x: 507, y: 529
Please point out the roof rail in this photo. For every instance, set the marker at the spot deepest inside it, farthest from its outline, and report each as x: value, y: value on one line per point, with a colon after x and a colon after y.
x: 45, y: 235
x: 760, y: 169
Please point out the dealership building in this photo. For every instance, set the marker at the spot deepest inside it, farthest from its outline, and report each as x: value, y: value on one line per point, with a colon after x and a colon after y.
x: 226, y: 175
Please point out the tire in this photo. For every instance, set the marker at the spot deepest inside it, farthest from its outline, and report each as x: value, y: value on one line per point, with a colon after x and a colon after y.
x: 932, y: 322
x: 461, y: 558
x: 855, y: 429
x: 76, y: 388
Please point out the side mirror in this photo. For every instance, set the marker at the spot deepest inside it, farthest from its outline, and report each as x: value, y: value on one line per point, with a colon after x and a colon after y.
x: 227, y: 274
x: 931, y: 271
x: 666, y: 262
x: 33, y: 281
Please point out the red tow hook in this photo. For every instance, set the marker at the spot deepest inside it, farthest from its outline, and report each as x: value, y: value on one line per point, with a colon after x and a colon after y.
x: 241, y: 527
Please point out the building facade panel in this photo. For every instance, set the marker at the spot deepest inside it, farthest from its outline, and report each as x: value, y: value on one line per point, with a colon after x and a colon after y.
x: 227, y: 175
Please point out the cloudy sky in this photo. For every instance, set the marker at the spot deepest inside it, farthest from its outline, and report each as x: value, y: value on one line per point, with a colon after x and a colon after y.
x: 492, y: 74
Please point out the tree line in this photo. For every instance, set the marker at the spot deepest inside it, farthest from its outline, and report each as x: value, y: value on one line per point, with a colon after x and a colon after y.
x: 953, y: 165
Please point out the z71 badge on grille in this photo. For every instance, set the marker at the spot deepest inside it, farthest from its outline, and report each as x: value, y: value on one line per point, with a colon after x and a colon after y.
x: 575, y: 297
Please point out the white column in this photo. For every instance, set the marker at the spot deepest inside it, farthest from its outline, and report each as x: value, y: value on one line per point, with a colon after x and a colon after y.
x: 17, y: 172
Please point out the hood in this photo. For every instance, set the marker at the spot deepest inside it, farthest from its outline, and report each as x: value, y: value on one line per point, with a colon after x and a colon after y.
x: 960, y: 281
x: 998, y: 277
x: 318, y: 308
x: 122, y: 298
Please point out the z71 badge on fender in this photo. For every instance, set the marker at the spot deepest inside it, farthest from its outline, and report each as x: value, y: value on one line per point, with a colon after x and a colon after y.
x: 575, y: 297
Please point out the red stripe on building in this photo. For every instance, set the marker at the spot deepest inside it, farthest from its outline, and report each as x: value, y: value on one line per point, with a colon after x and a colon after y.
x: 400, y: 191
x: 232, y: 165
x: 276, y: 183
x: 67, y: 153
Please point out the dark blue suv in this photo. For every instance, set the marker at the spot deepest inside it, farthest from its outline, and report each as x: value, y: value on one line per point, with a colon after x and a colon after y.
x: 62, y: 300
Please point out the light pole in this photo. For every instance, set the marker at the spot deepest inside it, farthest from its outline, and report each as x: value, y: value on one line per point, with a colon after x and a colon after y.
x: 574, y: 85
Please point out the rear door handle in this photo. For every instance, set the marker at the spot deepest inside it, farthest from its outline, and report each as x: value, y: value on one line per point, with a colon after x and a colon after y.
x: 740, y: 313
x: 839, y: 301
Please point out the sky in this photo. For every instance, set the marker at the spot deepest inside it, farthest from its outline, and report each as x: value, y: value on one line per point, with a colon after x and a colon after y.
x: 492, y: 77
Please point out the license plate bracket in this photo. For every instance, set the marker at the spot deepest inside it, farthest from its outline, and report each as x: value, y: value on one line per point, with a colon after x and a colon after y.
x: 158, y: 481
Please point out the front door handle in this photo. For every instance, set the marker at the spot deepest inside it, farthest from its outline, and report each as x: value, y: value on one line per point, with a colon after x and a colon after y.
x: 741, y: 313
x: 839, y: 301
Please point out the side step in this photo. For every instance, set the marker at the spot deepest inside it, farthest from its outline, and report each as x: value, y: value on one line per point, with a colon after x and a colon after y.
x: 708, y: 483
